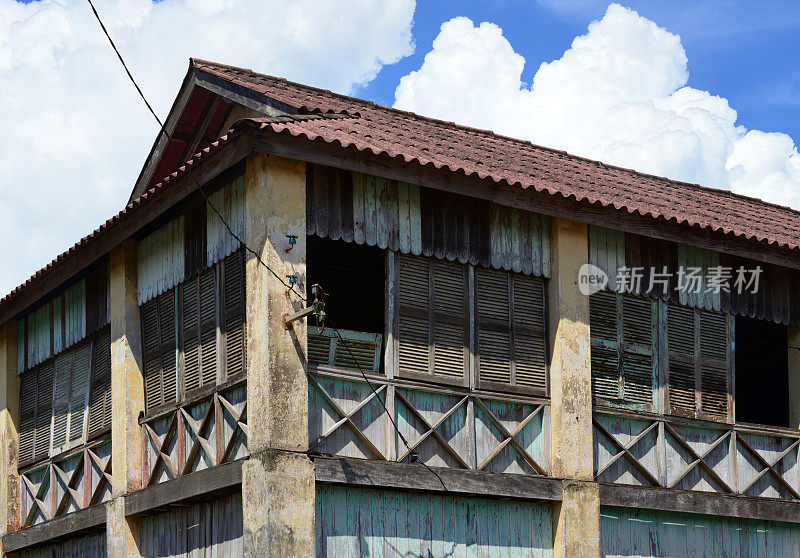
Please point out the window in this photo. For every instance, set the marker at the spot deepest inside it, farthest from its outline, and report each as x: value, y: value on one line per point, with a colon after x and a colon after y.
x: 194, y: 334
x: 66, y: 400
x: 432, y: 319
x: 623, y: 346
x: 354, y: 279
x: 699, y: 346
x: 762, y: 372
x: 511, y: 348
x: 434, y: 331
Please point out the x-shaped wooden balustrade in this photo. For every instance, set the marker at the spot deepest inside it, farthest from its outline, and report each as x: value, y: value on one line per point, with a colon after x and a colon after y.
x: 728, y: 444
x: 430, y: 429
x: 77, y: 481
x: 169, y: 451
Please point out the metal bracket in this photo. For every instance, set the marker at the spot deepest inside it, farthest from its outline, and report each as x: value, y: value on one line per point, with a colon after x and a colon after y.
x: 317, y: 308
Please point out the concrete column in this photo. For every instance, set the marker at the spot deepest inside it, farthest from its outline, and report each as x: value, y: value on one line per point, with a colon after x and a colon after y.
x: 127, y: 400
x: 277, y: 479
x: 794, y: 376
x: 576, y: 519
x: 9, y: 434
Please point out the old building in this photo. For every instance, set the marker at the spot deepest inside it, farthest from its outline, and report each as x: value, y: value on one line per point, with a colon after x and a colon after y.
x: 462, y: 395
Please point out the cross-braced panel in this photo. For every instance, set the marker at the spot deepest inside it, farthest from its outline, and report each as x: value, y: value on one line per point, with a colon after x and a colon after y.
x: 199, y: 435
x: 65, y: 485
x: 443, y: 428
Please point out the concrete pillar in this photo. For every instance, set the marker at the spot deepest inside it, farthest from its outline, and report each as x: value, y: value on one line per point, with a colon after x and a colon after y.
x: 576, y: 519
x: 9, y: 434
x: 277, y: 479
x: 793, y: 334
x: 127, y: 400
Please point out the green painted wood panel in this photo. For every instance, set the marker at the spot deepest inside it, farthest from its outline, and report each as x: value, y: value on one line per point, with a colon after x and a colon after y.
x: 630, y: 532
x: 364, y: 522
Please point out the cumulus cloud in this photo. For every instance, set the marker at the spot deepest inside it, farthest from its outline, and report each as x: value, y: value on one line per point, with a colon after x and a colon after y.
x: 619, y: 94
x: 74, y: 133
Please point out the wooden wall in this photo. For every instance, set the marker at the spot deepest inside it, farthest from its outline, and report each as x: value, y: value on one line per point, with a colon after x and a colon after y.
x: 89, y: 546
x: 353, y: 522
x: 205, y: 529
x: 630, y: 532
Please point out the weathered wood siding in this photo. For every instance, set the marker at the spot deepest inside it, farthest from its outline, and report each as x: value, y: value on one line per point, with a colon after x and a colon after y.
x: 680, y: 454
x: 447, y: 429
x: 777, y: 299
x: 414, y: 220
x: 230, y: 202
x: 207, y: 529
x: 353, y: 522
x: 630, y: 532
x: 161, y: 259
x: 89, y: 546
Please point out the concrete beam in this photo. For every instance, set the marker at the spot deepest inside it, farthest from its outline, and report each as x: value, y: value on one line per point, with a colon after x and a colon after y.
x: 576, y: 520
x: 127, y: 400
x: 9, y: 434
x: 277, y: 483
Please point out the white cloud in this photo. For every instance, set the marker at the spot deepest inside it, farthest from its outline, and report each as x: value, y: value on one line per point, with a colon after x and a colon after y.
x: 618, y: 94
x: 73, y: 133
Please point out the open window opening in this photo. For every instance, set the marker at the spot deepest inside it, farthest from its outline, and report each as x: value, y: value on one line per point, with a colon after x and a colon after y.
x: 762, y: 380
x: 353, y: 277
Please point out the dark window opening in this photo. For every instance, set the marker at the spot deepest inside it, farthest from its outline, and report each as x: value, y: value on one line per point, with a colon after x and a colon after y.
x: 762, y: 381
x: 353, y: 277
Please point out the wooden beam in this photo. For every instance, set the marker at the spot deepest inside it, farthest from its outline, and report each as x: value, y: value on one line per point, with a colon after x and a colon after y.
x: 185, y: 488
x: 200, y: 131
x: 135, y: 220
x: 91, y: 518
x: 704, y: 503
x: 402, y: 476
x: 320, y: 152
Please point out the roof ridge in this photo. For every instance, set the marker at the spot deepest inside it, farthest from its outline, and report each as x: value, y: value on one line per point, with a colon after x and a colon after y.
x: 446, y: 123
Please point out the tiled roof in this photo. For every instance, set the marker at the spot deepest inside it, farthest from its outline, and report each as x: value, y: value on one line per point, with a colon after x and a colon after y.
x: 383, y: 130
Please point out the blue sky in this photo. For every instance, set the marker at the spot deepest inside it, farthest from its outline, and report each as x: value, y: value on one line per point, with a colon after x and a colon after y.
x: 745, y: 51
x: 702, y: 91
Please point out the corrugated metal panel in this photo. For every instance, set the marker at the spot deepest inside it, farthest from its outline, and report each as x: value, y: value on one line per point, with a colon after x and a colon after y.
x: 230, y: 202
x: 90, y: 546
x: 206, y: 529
x: 354, y: 522
x: 412, y: 220
x: 161, y: 260
x: 630, y: 532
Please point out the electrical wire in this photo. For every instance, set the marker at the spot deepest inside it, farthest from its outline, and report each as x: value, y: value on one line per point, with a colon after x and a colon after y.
x: 413, y: 453
x: 171, y: 142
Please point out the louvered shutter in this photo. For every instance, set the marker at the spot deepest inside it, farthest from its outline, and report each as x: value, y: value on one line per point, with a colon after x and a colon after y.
x: 234, y: 305
x: 199, y: 325
x: 699, y: 346
x: 44, y: 409
x: 158, y: 340
x: 79, y: 392
x: 61, y: 400
x: 623, y: 333
x: 604, y: 334
x: 100, y: 397
x: 190, y: 339
x: 27, y: 415
x: 432, y: 318
x: 638, y: 349
x: 529, y: 316
x: 208, y: 326
x: 492, y: 294
x: 510, y: 330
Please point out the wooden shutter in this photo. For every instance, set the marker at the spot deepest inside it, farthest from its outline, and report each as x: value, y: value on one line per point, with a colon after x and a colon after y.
x: 604, y: 334
x: 432, y: 318
x: 36, y: 399
x: 61, y: 400
x: 699, y: 349
x: 199, y: 326
x: 159, y: 343
x: 100, y: 396
x: 623, y: 334
x: 70, y: 398
x: 234, y: 309
x: 510, y: 330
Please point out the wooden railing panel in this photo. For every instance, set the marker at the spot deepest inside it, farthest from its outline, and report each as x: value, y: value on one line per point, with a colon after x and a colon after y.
x: 443, y: 427
x: 66, y: 484
x: 203, y: 433
x: 664, y: 452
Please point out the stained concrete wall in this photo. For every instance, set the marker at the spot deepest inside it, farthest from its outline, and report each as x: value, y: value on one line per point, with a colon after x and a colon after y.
x: 9, y: 433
